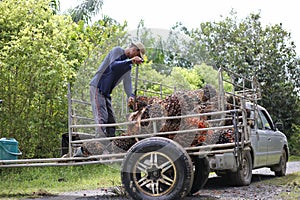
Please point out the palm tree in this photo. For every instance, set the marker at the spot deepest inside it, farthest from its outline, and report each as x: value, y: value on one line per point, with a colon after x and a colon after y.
x: 86, y: 10
x: 55, y: 4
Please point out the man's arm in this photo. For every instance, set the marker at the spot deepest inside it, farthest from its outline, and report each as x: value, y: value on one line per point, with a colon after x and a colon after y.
x: 127, y: 84
x: 111, y: 57
x: 121, y: 66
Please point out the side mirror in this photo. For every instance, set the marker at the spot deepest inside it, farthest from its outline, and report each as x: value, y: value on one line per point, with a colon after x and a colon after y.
x: 279, y: 126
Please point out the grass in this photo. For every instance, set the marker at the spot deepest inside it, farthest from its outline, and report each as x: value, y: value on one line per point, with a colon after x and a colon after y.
x: 292, y: 184
x: 17, y: 183
x: 294, y: 158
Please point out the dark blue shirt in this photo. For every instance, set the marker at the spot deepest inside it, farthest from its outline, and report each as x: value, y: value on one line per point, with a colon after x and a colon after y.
x: 113, y: 73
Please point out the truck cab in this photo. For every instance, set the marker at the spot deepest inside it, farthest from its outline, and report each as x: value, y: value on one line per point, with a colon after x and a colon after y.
x: 267, y: 142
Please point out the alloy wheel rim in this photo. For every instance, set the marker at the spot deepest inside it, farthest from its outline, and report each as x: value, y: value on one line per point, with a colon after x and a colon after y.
x: 154, y: 174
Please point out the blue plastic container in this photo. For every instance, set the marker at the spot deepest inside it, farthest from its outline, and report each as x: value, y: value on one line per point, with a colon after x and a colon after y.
x: 9, y: 149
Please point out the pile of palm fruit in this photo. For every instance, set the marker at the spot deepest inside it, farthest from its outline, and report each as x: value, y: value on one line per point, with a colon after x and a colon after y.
x: 180, y: 103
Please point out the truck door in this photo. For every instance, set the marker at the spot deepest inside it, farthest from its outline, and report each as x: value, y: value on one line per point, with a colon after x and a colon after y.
x: 259, y: 141
x: 273, y: 139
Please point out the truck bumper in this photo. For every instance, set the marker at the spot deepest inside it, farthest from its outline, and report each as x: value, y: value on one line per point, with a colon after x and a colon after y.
x: 225, y: 161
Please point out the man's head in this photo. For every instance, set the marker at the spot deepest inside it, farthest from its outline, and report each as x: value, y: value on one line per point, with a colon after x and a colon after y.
x: 136, y: 49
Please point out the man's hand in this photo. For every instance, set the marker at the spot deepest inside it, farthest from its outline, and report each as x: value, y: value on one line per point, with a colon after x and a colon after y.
x: 130, y: 100
x: 131, y: 103
x: 137, y: 60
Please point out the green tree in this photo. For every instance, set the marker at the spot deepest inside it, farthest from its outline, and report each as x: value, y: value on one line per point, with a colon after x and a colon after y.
x: 39, y: 53
x: 55, y: 5
x: 295, y: 141
x: 189, y: 78
x: 266, y: 53
x: 86, y: 10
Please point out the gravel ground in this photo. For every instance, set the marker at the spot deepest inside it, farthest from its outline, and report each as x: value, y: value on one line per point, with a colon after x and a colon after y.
x: 216, y: 188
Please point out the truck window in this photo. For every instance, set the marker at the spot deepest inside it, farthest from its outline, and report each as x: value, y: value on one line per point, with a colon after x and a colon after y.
x: 259, y: 122
x: 266, y: 124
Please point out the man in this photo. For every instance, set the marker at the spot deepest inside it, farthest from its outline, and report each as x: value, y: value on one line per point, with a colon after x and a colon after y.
x: 115, y: 67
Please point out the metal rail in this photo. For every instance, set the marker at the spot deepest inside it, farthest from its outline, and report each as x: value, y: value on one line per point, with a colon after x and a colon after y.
x: 246, y: 94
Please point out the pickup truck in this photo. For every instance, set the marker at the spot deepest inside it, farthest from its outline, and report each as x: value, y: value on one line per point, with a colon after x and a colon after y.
x: 169, y: 145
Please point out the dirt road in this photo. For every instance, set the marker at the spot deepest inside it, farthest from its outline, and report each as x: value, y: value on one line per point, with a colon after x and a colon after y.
x: 216, y: 188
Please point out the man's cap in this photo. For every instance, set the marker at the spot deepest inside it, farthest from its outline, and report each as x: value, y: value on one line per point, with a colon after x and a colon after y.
x: 141, y: 47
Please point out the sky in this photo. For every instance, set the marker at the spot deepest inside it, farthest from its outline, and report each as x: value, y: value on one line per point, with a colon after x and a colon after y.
x: 163, y: 14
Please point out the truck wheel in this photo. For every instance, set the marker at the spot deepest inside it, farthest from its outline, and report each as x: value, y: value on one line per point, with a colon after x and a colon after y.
x: 222, y: 173
x: 243, y: 175
x: 157, y: 168
x: 201, y: 173
x: 281, y: 169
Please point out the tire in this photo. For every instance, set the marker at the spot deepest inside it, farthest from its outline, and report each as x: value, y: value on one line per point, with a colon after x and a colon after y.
x: 201, y: 173
x: 221, y: 173
x: 243, y: 175
x: 280, y: 170
x: 157, y: 168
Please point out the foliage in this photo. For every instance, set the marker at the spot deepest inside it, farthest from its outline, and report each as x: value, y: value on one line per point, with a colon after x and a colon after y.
x: 192, y: 79
x: 251, y: 50
x: 39, y: 52
x: 55, y: 5
x: 86, y: 10
x: 293, y: 158
x: 294, y: 141
x: 186, y: 79
x: 193, y: 51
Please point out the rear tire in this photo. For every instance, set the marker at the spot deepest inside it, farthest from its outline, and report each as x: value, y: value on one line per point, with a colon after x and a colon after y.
x: 157, y: 168
x: 201, y: 173
x: 243, y: 175
x: 281, y: 169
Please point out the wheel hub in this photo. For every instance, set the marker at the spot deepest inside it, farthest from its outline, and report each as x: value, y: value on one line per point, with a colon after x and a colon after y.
x: 155, y: 173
